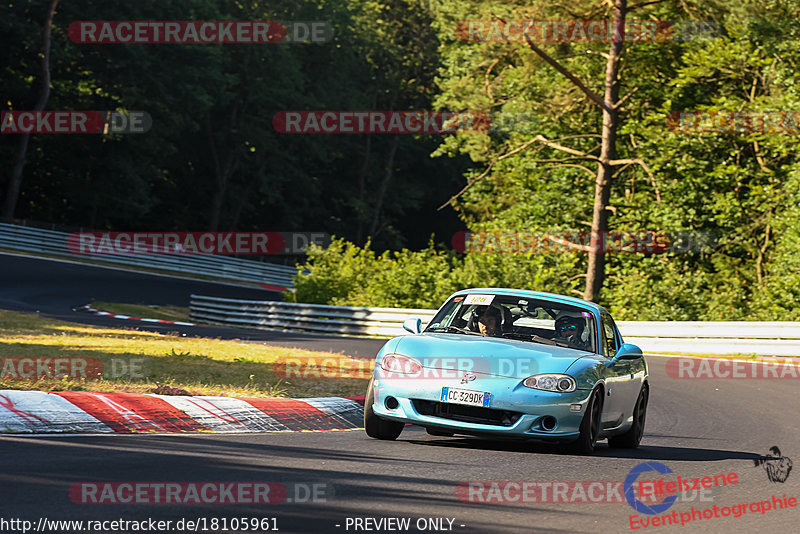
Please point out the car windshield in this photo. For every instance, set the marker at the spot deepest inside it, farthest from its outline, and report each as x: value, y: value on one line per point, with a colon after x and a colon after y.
x: 515, y: 317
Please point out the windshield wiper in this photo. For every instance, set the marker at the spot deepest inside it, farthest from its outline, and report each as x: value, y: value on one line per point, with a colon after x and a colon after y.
x: 451, y: 329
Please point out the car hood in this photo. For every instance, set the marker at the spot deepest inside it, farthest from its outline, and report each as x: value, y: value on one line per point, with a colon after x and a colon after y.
x: 486, y: 355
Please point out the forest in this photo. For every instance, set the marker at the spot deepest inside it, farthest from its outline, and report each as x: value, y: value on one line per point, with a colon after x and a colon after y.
x: 602, y: 118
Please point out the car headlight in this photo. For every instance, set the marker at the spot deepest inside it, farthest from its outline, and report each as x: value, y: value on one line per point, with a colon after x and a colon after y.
x: 557, y: 383
x: 399, y: 363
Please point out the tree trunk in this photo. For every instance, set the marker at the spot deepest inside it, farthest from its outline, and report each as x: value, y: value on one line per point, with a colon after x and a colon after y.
x: 595, y: 272
x: 223, y: 173
x: 15, y: 181
x: 218, y: 198
x: 388, y: 172
x: 246, y: 195
x: 362, y: 189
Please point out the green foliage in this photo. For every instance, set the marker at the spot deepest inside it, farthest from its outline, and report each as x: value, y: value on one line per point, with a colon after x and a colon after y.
x: 212, y: 158
x: 741, y: 188
x: 212, y: 106
x: 345, y: 274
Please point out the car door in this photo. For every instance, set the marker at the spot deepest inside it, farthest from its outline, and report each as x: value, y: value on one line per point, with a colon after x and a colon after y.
x: 621, y: 378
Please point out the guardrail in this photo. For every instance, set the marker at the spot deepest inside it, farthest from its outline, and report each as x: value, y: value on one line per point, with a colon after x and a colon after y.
x: 27, y: 239
x: 310, y: 318
x: 679, y: 337
x: 727, y: 337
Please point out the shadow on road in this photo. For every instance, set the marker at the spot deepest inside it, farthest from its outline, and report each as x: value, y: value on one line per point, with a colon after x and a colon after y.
x: 644, y: 452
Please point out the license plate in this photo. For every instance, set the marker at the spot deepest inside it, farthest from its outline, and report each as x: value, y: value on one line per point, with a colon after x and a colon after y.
x: 466, y: 396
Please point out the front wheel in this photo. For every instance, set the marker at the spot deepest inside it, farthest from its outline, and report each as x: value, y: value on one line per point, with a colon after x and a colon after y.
x: 632, y: 438
x: 590, y: 425
x: 375, y: 426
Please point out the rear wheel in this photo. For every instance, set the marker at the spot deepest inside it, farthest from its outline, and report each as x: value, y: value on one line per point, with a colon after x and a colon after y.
x: 439, y: 433
x: 632, y: 438
x: 590, y: 426
x: 375, y: 426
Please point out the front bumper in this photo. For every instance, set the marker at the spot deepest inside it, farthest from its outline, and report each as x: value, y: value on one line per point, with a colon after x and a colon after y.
x: 418, y: 401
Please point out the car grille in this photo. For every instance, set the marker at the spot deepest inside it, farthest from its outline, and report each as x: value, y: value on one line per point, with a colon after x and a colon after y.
x: 467, y: 414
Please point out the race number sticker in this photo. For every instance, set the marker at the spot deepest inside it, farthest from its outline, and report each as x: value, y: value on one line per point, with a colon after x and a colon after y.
x: 479, y: 299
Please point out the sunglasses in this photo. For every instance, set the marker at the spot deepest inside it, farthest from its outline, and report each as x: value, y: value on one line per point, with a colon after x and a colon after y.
x: 570, y: 327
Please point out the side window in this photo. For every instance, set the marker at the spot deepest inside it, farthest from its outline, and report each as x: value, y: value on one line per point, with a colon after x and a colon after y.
x: 609, y: 340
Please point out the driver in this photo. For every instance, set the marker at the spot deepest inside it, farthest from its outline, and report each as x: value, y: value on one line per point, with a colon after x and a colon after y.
x: 569, y: 330
x: 489, y: 322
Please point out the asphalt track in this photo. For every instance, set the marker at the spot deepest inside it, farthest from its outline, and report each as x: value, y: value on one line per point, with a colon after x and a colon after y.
x: 54, y: 288
x: 695, y: 427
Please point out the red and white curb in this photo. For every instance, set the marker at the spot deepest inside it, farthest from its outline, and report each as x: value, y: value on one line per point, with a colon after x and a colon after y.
x: 89, y: 309
x: 80, y: 411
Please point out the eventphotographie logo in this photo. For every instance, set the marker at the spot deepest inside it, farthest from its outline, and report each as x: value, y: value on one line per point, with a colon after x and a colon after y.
x: 630, y: 485
x: 655, y: 494
x: 777, y: 467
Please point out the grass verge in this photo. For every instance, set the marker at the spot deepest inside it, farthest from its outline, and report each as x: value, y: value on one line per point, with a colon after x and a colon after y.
x: 150, y: 362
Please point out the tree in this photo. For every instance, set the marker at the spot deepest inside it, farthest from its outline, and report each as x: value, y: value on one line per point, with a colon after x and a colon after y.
x: 12, y: 193
x: 608, y: 104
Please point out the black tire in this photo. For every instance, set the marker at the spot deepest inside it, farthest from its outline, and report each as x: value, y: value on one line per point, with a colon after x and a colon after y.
x: 439, y: 433
x: 590, y: 425
x: 375, y: 426
x: 632, y: 438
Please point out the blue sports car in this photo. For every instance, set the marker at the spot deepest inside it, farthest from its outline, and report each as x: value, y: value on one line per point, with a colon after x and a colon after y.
x: 512, y: 363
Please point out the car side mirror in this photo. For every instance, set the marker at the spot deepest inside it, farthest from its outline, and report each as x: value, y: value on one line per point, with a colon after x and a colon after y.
x: 413, y: 325
x: 627, y: 352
